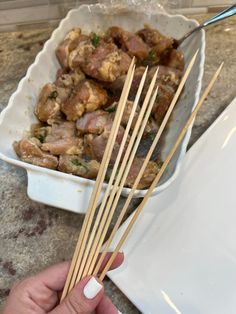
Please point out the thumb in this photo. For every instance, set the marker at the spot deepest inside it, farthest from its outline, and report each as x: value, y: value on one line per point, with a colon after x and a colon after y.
x: 82, y: 299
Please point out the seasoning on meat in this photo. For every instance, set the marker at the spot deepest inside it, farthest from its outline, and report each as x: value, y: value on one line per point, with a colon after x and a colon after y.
x: 133, y: 44
x: 29, y: 151
x: 93, y: 122
x: 78, y: 166
x: 48, y: 106
x: 148, y: 176
x: 157, y: 42
x: 95, y: 145
x: 174, y: 59
x: 82, y: 52
x: 117, y: 85
x: 62, y: 139
x: 106, y: 63
x: 86, y: 97
x: 69, y: 44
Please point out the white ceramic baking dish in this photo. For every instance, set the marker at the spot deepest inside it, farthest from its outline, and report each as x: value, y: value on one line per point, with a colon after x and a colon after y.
x: 68, y: 191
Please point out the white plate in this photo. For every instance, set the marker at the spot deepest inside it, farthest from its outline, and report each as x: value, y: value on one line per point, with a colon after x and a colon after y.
x: 64, y: 190
x: 181, y: 254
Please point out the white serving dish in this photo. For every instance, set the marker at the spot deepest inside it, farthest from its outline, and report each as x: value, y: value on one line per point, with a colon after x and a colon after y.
x: 181, y: 254
x: 68, y: 191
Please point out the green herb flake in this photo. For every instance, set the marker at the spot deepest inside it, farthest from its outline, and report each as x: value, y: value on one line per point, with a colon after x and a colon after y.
x: 109, y: 173
x: 159, y: 165
x: 152, y: 135
x: 146, y: 62
x: 53, y: 95
x: 40, y: 138
x: 76, y: 162
x: 158, y: 98
x: 111, y: 109
x: 110, y: 93
x: 152, y: 55
x: 95, y: 40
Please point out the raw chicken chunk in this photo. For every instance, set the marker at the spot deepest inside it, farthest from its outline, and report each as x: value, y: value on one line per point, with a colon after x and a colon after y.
x: 29, y: 151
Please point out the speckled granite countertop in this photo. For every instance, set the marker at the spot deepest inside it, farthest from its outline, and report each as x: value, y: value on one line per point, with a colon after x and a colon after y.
x: 32, y: 235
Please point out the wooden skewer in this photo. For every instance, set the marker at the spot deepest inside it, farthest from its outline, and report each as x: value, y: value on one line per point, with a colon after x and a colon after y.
x: 121, y: 178
x: 148, y: 157
x: 109, y: 187
x: 159, y: 175
x: 109, y: 148
x: 100, y: 177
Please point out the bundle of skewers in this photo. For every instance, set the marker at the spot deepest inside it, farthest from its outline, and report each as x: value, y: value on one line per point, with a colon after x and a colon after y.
x: 91, y: 251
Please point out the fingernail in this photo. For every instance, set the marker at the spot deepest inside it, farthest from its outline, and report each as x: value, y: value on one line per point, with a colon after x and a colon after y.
x: 92, y: 288
x: 111, y: 251
x: 119, y: 312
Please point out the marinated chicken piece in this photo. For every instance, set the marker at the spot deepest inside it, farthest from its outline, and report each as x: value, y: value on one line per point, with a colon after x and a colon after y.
x: 157, y: 42
x: 166, y: 75
x: 168, y: 80
x: 29, y: 151
x: 60, y: 72
x: 126, y: 115
x: 153, y: 37
x: 78, y: 166
x: 61, y: 139
x: 149, y: 174
x: 124, y: 62
x: 64, y: 129
x: 129, y: 42
x: 76, y: 76
x: 66, y: 81
x: 95, y: 145
x: 127, y: 112
x: 63, y: 91
x: 88, y: 145
x: 151, y: 127
x: 96, y: 122
x: 83, y: 51
x: 169, y: 76
x: 117, y: 86
x: 164, y: 98
x: 48, y: 106
x: 174, y: 59
x: 40, y: 132
x: 106, y: 63
x: 86, y: 97
x: 70, y: 146
x: 151, y: 124
x: 93, y: 122
x: 68, y: 44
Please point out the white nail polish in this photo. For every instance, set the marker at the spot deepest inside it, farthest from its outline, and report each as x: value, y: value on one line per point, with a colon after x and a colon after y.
x: 111, y: 251
x: 119, y: 312
x: 92, y: 288
x: 112, y: 248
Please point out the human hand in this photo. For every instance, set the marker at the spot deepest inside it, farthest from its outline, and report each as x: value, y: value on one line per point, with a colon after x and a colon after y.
x: 39, y: 294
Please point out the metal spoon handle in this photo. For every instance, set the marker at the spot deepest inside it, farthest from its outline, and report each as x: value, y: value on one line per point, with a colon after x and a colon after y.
x: 222, y: 15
